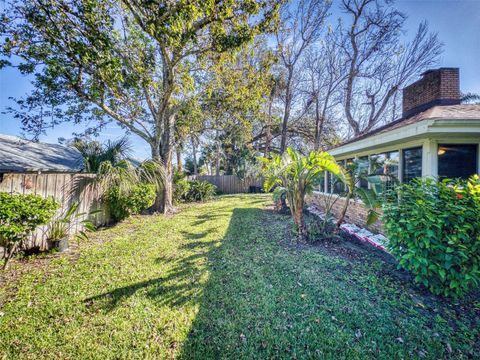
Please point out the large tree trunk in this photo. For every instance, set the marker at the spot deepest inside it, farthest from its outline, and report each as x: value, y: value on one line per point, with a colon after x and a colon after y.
x: 268, y: 140
x: 296, y: 206
x: 178, y: 151
x: 319, y: 119
x: 217, y: 155
x: 159, y: 204
x: 167, y: 202
x: 194, y: 151
x: 166, y: 152
x: 163, y: 151
x: 286, y: 114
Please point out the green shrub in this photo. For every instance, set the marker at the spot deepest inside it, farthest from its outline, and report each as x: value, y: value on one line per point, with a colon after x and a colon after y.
x: 133, y: 201
x: 200, y: 191
x: 180, y: 187
x: 19, y: 216
x: 434, y: 231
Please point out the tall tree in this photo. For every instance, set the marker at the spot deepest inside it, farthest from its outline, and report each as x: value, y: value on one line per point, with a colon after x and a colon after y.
x: 378, y: 62
x: 234, y: 101
x: 325, y: 72
x: 301, y: 26
x: 128, y: 61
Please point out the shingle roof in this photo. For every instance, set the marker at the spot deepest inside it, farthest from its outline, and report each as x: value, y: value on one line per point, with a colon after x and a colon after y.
x: 19, y: 155
x: 449, y: 112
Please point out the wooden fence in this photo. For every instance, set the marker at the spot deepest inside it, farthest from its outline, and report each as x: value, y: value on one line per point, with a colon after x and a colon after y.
x: 66, y: 188
x: 230, y: 184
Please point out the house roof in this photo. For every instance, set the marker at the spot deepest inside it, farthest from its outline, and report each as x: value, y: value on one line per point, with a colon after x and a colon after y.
x: 19, y: 155
x: 449, y: 112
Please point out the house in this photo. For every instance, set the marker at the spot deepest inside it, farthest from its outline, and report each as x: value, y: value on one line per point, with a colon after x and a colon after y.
x: 23, y: 156
x: 437, y: 136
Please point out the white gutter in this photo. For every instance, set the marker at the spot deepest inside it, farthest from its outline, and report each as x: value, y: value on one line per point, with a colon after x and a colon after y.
x: 409, y: 132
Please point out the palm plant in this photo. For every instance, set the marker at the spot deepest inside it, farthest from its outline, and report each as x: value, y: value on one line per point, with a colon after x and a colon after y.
x: 125, y: 176
x: 470, y: 98
x: 94, y: 153
x: 298, y: 175
x: 60, y: 228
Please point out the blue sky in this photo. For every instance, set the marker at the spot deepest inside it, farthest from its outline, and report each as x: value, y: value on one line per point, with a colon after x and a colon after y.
x: 457, y: 23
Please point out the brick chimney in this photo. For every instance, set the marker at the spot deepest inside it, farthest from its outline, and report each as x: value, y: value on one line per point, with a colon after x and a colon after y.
x: 436, y: 87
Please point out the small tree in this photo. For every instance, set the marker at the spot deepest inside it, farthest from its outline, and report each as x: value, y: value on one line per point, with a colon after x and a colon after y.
x: 298, y: 175
x: 19, y: 216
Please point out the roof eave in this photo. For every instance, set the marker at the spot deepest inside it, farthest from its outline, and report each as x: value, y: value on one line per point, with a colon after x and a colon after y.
x: 409, y: 132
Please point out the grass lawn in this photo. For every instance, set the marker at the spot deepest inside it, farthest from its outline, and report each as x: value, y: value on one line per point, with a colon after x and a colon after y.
x: 220, y: 280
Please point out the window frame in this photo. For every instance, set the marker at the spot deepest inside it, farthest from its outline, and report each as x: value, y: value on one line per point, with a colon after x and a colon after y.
x: 475, y: 147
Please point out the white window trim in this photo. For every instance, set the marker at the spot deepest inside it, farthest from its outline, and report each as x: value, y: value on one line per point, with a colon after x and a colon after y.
x: 429, y: 147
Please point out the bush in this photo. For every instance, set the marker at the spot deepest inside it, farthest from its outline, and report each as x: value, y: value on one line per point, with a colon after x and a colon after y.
x: 132, y: 201
x: 320, y: 230
x: 434, y: 231
x: 180, y: 187
x: 19, y: 216
x: 200, y: 191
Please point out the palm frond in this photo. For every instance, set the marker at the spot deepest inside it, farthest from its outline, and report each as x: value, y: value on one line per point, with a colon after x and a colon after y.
x: 470, y: 98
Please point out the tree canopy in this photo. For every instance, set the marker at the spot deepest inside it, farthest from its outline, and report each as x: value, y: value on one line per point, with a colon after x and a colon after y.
x: 129, y: 61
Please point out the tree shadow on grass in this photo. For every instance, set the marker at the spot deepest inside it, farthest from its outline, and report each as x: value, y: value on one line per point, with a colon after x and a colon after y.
x: 262, y: 299
x: 265, y: 300
x: 181, y: 282
x: 178, y: 284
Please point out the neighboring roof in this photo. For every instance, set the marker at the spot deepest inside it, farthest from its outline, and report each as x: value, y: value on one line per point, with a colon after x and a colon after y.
x: 19, y: 155
x: 449, y: 112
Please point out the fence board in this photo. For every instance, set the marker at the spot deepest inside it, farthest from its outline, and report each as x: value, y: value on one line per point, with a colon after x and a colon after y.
x: 61, y: 186
x: 229, y: 184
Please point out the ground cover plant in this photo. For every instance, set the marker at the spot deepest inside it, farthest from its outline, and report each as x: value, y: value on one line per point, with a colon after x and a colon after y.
x: 221, y: 280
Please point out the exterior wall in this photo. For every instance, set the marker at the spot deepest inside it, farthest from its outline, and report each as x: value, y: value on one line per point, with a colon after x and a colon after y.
x: 436, y: 87
x: 356, y: 212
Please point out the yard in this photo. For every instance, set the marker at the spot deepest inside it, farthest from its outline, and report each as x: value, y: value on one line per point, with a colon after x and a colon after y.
x: 221, y: 280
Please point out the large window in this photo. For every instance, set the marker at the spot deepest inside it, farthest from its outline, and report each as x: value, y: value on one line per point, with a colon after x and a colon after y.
x: 457, y: 161
x: 385, y: 164
x: 363, y: 170
x: 337, y: 185
x: 412, y: 164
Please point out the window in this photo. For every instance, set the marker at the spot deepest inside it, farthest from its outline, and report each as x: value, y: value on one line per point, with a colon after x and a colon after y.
x: 328, y: 187
x: 457, y: 161
x: 363, y: 171
x: 377, y: 162
x: 321, y: 184
x: 337, y: 184
x: 385, y: 164
x: 391, y: 168
x: 412, y: 164
x: 391, y: 163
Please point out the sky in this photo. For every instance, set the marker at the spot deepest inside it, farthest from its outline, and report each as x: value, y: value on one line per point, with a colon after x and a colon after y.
x: 457, y: 23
